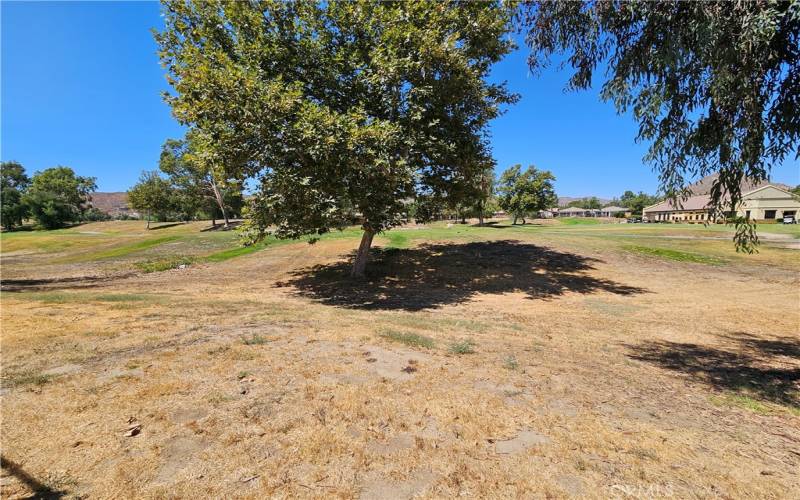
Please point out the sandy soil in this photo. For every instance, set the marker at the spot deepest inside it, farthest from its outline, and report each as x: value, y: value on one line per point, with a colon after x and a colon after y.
x: 594, y: 374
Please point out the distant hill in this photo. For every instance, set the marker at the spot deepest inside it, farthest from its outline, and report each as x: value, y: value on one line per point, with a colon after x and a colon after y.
x: 703, y: 186
x: 113, y: 203
x: 563, y: 201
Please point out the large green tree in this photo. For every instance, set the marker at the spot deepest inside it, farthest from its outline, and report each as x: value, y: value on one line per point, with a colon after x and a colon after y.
x: 522, y: 193
x: 56, y: 196
x: 13, y: 182
x: 189, y: 165
x: 152, y: 195
x: 339, y: 107
x: 715, y: 86
x: 637, y: 201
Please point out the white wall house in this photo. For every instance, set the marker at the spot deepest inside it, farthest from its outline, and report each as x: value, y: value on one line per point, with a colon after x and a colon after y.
x: 612, y: 211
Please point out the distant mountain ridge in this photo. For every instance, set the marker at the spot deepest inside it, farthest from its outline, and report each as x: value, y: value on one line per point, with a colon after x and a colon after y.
x: 112, y: 203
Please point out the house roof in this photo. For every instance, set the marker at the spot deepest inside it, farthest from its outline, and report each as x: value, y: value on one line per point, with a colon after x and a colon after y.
x: 703, y: 201
x: 572, y: 210
x: 765, y: 186
x: 703, y: 186
x: 699, y: 202
x: 615, y: 209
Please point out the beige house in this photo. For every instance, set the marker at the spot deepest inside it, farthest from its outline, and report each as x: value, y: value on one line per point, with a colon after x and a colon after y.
x: 692, y: 210
x: 769, y: 203
x: 765, y: 203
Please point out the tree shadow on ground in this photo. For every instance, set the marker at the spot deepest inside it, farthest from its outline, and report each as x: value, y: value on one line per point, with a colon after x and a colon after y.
x: 508, y: 225
x: 44, y: 284
x: 761, y: 368
x: 166, y: 225
x: 40, y: 490
x: 221, y: 226
x: 434, y: 275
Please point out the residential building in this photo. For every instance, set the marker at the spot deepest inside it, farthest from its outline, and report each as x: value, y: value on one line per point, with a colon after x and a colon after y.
x: 574, y: 212
x: 612, y: 211
x: 692, y: 210
x: 765, y: 203
x: 769, y: 203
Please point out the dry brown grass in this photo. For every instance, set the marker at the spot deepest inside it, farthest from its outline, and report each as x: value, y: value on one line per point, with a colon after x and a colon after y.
x: 632, y: 376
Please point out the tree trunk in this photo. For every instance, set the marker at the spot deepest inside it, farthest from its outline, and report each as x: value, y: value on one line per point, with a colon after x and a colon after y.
x: 360, y: 262
x: 220, y: 202
x: 148, y: 219
x: 515, y: 221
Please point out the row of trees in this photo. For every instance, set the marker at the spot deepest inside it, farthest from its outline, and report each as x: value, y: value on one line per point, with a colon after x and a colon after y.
x: 187, y: 186
x: 52, y: 198
x: 520, y: 193
x: 636, y: 202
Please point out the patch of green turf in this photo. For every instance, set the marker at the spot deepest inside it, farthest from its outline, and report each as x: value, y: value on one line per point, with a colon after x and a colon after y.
x: 124, y: 250
x: 271, y: 241
x: 667, y: 253
x: 165, y: 264
x: 741, y: 401
x: 230, y: 253
x: 397, y: 239
x: 578, y: 221
x: 410, y: 339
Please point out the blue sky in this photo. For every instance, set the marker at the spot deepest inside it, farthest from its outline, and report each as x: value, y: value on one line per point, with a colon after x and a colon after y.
x: 81, y: 86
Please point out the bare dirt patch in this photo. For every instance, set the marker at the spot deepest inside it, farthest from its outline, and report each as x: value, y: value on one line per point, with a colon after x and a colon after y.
x: 593, y: 373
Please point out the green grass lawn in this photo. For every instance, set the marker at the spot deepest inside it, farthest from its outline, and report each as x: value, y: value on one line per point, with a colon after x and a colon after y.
x: 129, y: 244
x: 667, y: 253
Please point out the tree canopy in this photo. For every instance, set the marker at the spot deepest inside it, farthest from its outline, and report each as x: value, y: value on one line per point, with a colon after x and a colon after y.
x: 56, y: 196
x: 523, y: 193
x: 715, y: 86
x: 637, y: 201
x: 13, y: 182
x: 339, y: 107
x: 152, y: 195
x: 591, y: 202
x: 189, y: 165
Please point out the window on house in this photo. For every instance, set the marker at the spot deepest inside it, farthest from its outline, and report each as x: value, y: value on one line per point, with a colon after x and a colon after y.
x: 769, y: 214
x: 747, y: 214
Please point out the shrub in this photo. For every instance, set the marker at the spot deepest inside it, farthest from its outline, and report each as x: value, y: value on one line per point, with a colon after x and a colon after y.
x: 462, y: 347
